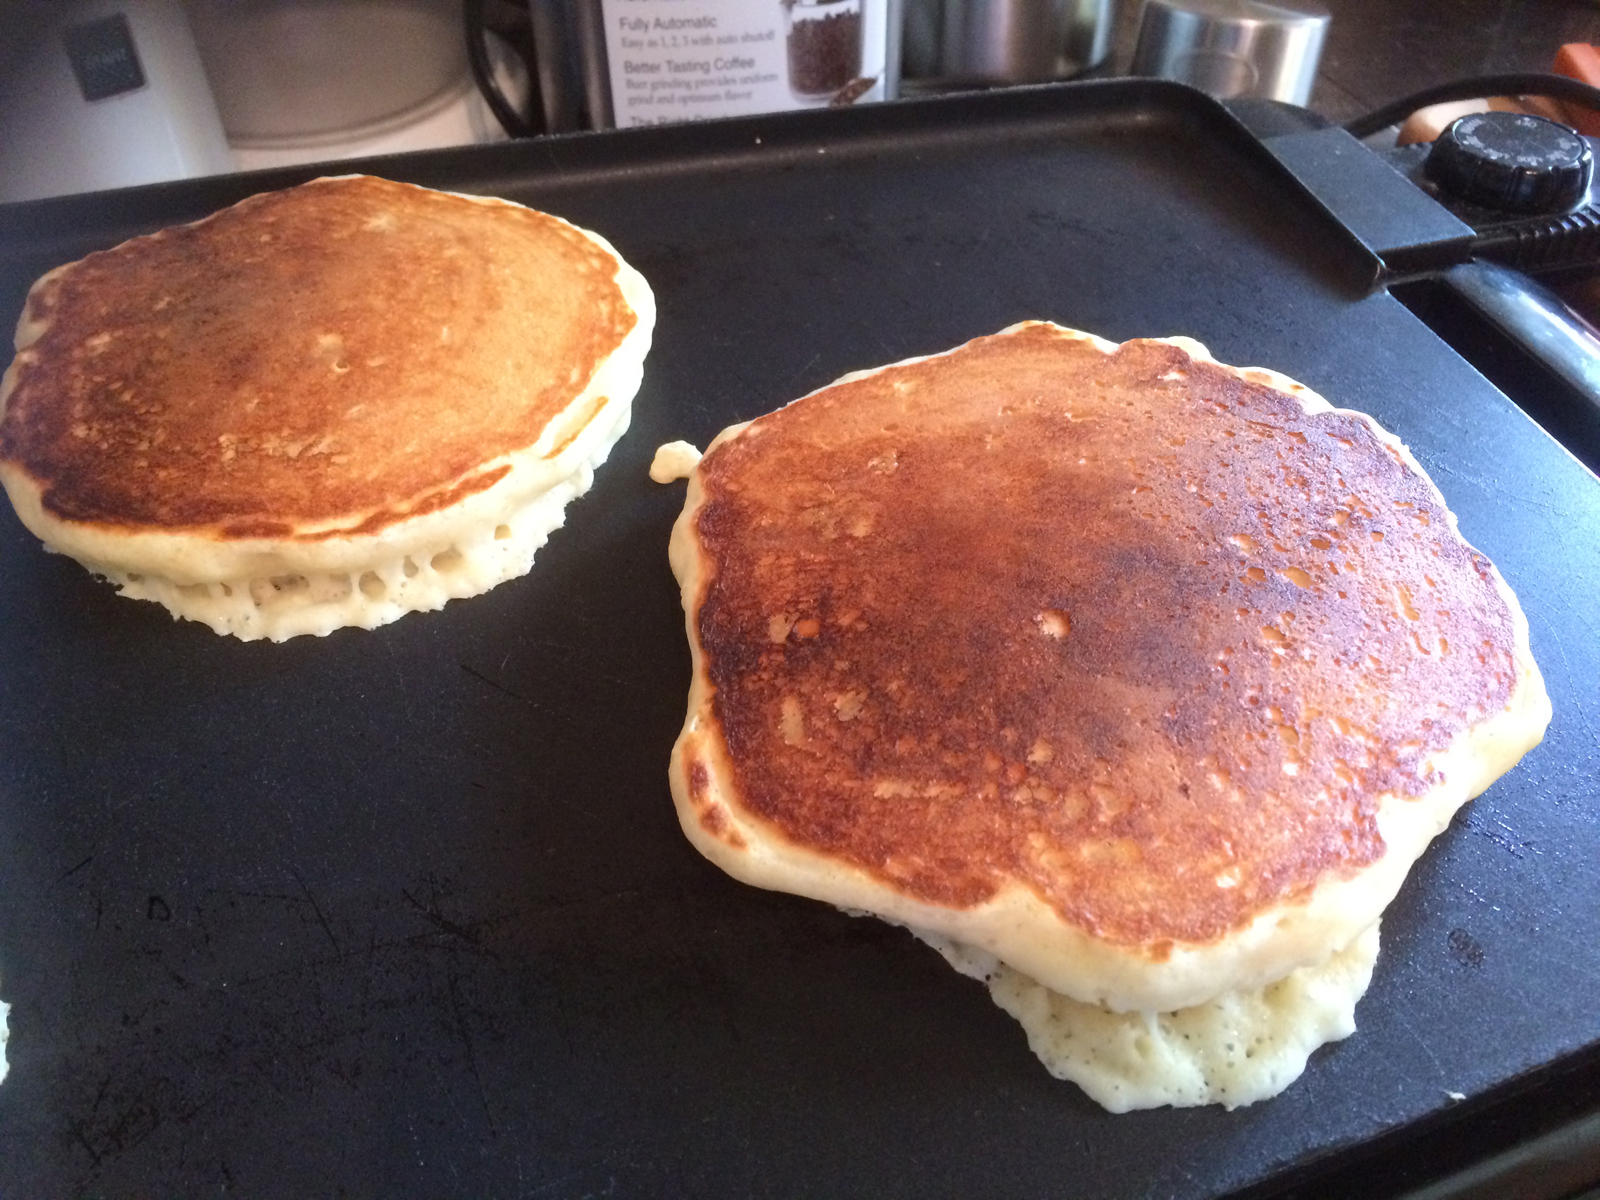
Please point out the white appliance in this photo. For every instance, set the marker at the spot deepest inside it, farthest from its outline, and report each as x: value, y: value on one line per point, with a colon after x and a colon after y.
x: 315, y: 80
x: 109, y: 93
x: 103, y: 94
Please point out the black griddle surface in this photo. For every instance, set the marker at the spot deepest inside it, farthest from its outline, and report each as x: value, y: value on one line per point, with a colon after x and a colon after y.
x: 407, y: 913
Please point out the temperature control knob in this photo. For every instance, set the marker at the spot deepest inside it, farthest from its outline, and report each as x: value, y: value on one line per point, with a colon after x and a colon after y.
x: 1514, y: 162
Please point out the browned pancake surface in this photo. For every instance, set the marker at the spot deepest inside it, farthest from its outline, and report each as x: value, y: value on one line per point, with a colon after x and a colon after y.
x: 347, y: 348
x: 1152, y: 644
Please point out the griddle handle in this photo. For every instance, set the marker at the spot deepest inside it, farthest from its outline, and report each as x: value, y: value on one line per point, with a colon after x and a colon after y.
x: 1538, y: 320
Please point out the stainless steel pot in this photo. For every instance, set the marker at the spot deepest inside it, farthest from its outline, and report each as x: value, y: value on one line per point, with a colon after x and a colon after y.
x: 1267, y: 48
x: 952, y: 42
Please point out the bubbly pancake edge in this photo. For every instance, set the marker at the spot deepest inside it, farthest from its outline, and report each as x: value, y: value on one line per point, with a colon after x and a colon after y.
x: 506, y: 504
x: 1019, y: 928
x: 1236, y: 1049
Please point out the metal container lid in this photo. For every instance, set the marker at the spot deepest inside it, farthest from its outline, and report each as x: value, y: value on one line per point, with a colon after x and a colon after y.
x: 1234, y: 47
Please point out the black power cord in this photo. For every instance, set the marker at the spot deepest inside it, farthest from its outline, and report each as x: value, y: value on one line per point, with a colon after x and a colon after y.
x: 1558, y: 87
x: 513, y: 122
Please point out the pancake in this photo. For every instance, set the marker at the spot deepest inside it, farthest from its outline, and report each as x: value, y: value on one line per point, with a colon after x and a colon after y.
x: 1232, y: 1050
x: 324, y: 406
x: 1147, y: 676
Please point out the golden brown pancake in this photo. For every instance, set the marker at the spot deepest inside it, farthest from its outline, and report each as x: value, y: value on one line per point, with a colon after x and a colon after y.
x: 1148, y: 676
x: 310, y: 375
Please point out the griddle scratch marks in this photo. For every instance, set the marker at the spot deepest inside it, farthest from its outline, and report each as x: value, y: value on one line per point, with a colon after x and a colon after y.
x: 1581, y: 618
x: 80, y: 1128
x: 322, y: 919
x: 453, y: 984
x: 462, y: 1028
x: 1513, y: 497
x: 1421, y: 1041
x: 578, y: 658
x: 562, y: 1186
x: 1505, y: 837
x: 443, y: 923
x: 801, y: 373
x: 568, y: 660
x: 401, y: 689
x: 499, y: 687
x: 117, y: 1124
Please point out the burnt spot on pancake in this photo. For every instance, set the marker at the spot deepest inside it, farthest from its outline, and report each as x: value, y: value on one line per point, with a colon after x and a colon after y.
x: 352, y: 346
x: 714, y: 820
x: 41, y: 304
x: 712, y: 815
x: 699, y: 781
x: 1116, y: 628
